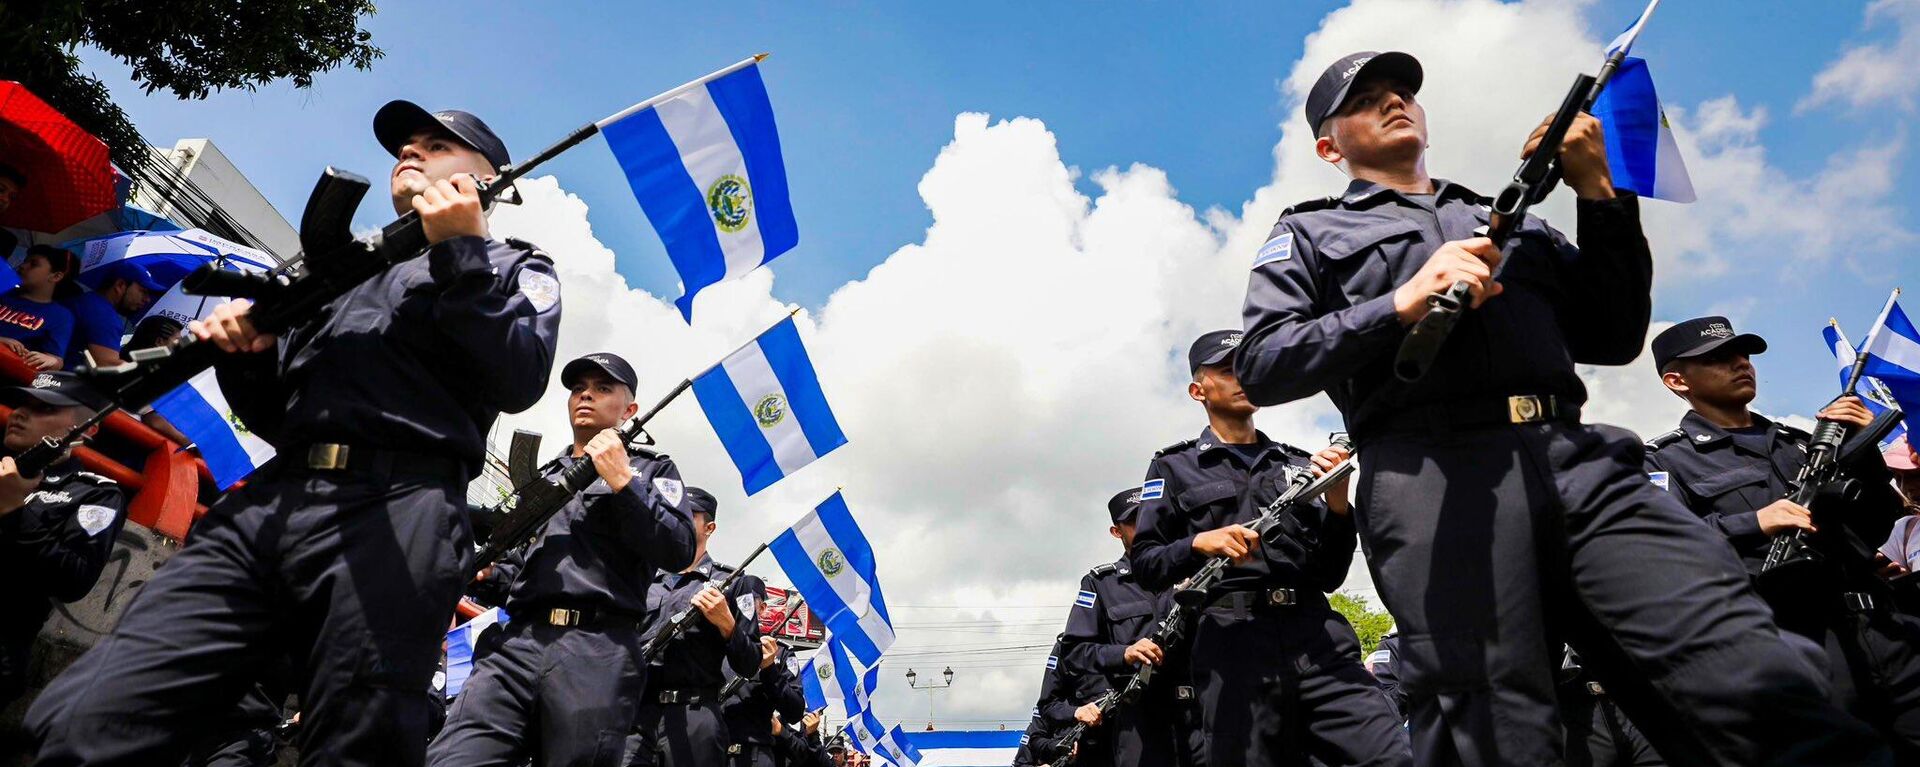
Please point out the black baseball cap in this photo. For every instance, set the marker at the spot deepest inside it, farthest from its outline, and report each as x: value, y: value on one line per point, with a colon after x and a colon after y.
x: 607, y: 362
x: 1330, y: 91
x: 702, y: 502
x: 1699, y: 336
x: 63, y: 389
x: 1124, y: 506
x: 1212, y: 348
x: 399, y: 120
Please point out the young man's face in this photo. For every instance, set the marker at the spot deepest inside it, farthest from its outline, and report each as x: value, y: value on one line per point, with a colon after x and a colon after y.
x: 432, y: 154
x: 7, y: 190
x: 34, y: 419
x: 1216, y: 387
x: 1723, y: 378
x: 131, y: 299
x: 37, y: 272
x: 1379, y: 123
x: 599, y: 402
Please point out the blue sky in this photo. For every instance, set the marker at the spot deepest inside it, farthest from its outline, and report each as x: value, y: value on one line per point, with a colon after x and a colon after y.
x: 866, y: 97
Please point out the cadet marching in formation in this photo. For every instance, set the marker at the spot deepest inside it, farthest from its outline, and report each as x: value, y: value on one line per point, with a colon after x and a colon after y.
x: 1564, y: 594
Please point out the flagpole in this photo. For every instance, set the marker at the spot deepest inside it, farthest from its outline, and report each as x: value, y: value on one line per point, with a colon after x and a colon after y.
x: 669, y: 95
x: 1618, y: 55
x: 1860, y: 355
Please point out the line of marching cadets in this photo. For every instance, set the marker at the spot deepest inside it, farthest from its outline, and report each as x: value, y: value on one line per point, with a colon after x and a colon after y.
x: 1563, y: 593
x: 333, y: 573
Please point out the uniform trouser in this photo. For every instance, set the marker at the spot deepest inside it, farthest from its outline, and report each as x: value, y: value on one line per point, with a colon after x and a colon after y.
x: 1873, y: 662
x: 1599, y: 735
x: 1294, y: 674
x: 565, y: 697
x: 1492, y: 546
x: 751, y: 755
x: 682, y: 735
x: 247, y: 739
x: 1148, y: 734
x: 354, y: 575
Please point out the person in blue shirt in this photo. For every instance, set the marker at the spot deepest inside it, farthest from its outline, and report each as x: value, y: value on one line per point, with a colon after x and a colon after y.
x: 100, y: 316
x: 32, y: 325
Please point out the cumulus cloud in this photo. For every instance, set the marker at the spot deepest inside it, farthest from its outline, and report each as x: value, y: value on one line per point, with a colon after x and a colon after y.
x: 1873, y: 74
x: 1003, y: 376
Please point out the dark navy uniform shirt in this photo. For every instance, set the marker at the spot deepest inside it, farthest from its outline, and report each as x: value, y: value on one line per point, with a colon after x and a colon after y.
x: 1201, y: 485
x: 1111, y: 612
x: 1726, y: 477
x: 54, y: 548
x: 420, y: 359
x: 602, y: 549
x: 1319, y: 311
x: 693, y: 661
x: 772, y: 690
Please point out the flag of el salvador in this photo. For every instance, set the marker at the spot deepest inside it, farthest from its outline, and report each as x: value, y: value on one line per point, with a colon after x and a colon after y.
x: 705, y: 164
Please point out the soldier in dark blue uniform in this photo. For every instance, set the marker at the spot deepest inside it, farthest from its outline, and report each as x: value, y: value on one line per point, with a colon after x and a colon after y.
x: 56, y: 529
x: 1496, y: 523
x: 1735, y: 469
x: 1109, y: 637
x: 1383, y: 664
x: 1052, y: 712
x: 563, y: 686
x: 1598, y: 733
x: 349, y: 550
x: 1266, y: 634
x: 772, y: 692
x: 680, y: 719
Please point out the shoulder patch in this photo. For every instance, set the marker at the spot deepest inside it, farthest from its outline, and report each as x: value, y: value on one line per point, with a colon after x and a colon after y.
x: 1280, y: 248
x: 93, y: 518
x: 747, y: 604
x: 670, y: 489
x: 1666, y: 439
x: 1659, y: 479
x: 1175, y: 447
x: 1085, y: 599
x: 541, y: 289
x: 1317, y: 203
x: 1153, y: 489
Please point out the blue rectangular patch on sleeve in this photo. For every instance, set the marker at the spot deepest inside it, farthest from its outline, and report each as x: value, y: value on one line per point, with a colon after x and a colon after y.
x: 1084, y: 600
x: 1053, y: 662
x: 1280, y: 248
x: 1153, y: 488
x: 1658, y: 478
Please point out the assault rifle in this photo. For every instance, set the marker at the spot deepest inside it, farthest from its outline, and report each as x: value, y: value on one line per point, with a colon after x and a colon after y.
x: 537, y: 501
x: 733, y: 685
x: 34, y: 460
x: 677, y: 623
x: 1822, y: 479
x: 1167, y: 634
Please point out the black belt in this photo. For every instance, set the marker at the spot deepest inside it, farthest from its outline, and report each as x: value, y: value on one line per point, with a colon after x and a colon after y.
x: 682, y: 696
x: 1473, y: 414
x: 333, y: 457
x: 1249, y: 599
x: 583, y: 617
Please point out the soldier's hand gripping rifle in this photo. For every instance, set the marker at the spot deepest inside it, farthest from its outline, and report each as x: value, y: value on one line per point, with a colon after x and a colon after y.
x: 1537, y: 176
x: 1822, y: 479
x: 1303, y: 488
x: 34, y: 461
x: 740, y: 680
x: 676, y: 624
x: 1167, y: 634
x: 537, y: 501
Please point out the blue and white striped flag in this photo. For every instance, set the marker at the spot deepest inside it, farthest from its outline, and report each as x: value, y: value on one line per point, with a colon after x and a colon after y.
x: 831, y: 677
x: 874, y: 738
x: 831, y: 563
x: 200, y: 411
x: 765, y: 403
x: 704, y: 161
x: 1893, y: 355
x: 460, y: 645
x: 1872, y: 393
x: 1641, y: 150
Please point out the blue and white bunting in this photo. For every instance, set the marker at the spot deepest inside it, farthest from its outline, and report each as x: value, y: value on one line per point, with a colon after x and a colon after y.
x: 765, y: 404
x: 704, y: 161
x: 832, y: 565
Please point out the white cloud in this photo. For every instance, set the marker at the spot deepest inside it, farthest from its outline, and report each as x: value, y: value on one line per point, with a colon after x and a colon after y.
x: 1873, y: 74
x: 1005, y: 375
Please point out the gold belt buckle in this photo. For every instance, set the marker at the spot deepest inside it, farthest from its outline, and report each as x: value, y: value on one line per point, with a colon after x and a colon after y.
x: 560, y: 616
x: 1525, y: 408
x: 1280, y: 597
x: 327, y: 456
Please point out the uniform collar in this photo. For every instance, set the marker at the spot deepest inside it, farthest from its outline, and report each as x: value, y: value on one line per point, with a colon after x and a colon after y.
x: 1703, y: 433
x: 1208, y: 442
x: 1123, y: 567
x: 1359, y: 191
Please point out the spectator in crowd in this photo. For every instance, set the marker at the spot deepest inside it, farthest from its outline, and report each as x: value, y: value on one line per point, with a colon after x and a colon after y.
x: 11, y: 182
x: 100, y: 316
x: 32, y: 324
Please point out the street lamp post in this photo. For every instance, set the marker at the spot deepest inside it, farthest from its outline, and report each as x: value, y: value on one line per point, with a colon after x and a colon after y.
x: 913, y: 681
